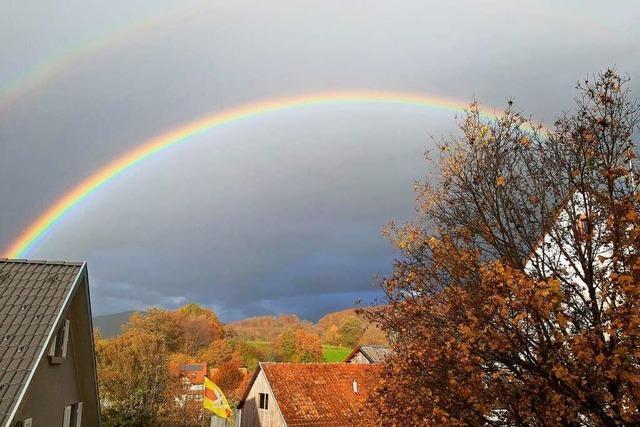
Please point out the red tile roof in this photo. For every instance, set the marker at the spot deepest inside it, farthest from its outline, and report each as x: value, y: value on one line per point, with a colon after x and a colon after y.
x: 194, y: 372
x: 321, y: 394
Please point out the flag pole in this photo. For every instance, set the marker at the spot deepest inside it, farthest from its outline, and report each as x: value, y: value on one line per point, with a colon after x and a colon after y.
x: 202, y: 407
x: 185, y: 401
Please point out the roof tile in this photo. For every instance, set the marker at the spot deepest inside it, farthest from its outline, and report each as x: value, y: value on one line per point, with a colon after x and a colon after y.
x: 321, y: 394
x: 31, y: 296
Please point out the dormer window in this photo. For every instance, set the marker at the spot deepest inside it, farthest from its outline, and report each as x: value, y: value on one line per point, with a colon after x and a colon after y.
x: 584, y: 228
x: 58, y: 349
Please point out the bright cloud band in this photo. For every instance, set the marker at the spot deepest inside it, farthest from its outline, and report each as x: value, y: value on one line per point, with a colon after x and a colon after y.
x: 30, y: 236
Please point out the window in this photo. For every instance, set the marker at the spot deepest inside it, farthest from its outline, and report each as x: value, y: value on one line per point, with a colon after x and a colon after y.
x: 264, y: 400
x: 58, y: 349
x: 72, y: 415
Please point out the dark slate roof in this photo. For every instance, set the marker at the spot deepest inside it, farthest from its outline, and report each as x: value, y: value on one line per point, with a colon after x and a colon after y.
x: 32, y: 296
x: 195, y: 367
x: 373, y: 353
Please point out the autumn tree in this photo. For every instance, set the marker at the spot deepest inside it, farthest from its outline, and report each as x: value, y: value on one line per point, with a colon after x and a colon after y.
x: 230, y: 379
x: 298, y: 345
x: 350, y: 331
x: 373, y: 335
x: 331, y: 336
x: 308, y: 347
x: 285, y: 345
x: 199, y: 326
x: 218, y: 352
x: 187, y: 330
x: 250, y: 355
x: 515, y: 300
x: 135, y: 386
x: 139, y: 370
x: 159, y: 321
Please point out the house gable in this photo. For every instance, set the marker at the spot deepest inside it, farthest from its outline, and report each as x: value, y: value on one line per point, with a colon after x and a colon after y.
x: 36, y: 298
x: 368, y: 354
x: 251, y: 413
x: 556, y: 251
x: 319, y: 394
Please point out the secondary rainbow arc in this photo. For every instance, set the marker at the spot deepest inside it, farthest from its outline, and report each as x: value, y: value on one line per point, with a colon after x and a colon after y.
x: 56, y: 212
x: 43, y: 70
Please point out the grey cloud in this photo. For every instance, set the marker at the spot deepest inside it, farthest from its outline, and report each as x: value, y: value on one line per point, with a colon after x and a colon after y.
x: 280, y: 213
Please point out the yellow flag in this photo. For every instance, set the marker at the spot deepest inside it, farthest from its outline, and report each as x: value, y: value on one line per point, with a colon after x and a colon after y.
x: 214, y: 400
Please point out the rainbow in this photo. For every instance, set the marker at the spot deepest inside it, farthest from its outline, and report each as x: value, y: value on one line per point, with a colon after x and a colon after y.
x: 50, y: 66
x: 37, y: 74
x: 32, y: 234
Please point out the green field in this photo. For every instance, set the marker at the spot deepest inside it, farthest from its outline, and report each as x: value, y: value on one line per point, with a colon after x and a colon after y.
x: 330, y: 353
x: 334, y: 353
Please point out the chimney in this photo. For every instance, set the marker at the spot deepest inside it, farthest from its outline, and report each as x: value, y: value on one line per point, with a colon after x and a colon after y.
x: 355, y: 386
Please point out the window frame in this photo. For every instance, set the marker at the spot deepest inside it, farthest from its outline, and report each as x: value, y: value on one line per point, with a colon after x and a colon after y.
x: 72, y: 416
x: 263, y: 401
x: 60, y: 343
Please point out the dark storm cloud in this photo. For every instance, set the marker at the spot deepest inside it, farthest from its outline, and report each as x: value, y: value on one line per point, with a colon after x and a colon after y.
x: 280, y: 213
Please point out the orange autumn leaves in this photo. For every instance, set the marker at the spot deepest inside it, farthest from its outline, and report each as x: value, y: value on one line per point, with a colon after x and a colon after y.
x: 515, y: 299
x: 139, y: 370
x: 506, y: 348
x: 298, y: 345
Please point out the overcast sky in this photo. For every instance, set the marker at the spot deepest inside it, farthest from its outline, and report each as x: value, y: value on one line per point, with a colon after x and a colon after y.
x: 281, y: 213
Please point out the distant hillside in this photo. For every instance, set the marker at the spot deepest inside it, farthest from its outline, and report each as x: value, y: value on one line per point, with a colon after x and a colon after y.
x: 265, y: 328
x: 372, y: 334
x: 336, y: 318
x: 110, y: 325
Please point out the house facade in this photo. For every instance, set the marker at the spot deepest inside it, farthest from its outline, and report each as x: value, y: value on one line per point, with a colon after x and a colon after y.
x: 258, y: 407
x: 47, y: 360
x: 307, y: 394
x: 192, y: 377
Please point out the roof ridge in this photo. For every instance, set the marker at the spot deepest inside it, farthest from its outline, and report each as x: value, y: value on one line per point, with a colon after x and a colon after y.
x: 305, y: 363
x: 319, y: 364
x: 40, y: 261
